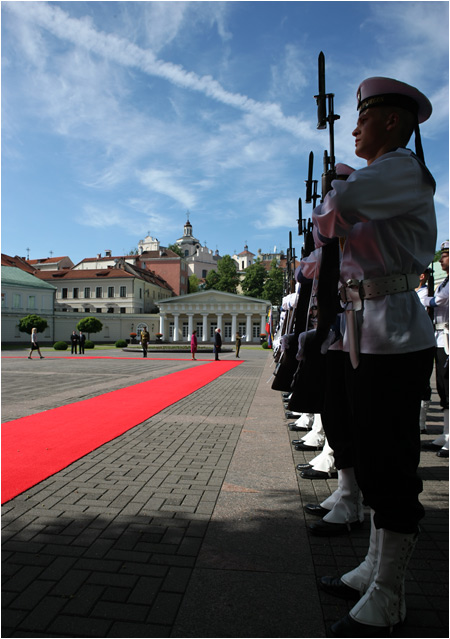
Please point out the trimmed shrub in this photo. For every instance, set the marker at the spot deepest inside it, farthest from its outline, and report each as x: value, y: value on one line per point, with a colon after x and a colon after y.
x: 89, y: 344
x: 121, y: 343
x: 265, y: 345
x: 60, y: 346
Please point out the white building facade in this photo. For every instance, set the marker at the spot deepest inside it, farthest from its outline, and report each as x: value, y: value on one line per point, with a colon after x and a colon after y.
x: 207, y: 310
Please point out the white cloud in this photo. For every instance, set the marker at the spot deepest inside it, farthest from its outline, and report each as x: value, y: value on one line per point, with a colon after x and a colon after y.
x: 166, y: 183
x: 278, y: 213
x: 113, y: 48
x: 101, y: 217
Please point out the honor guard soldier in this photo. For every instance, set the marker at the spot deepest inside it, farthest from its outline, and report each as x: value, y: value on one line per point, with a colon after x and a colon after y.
x: 439, y: 303
x: 386, y: 214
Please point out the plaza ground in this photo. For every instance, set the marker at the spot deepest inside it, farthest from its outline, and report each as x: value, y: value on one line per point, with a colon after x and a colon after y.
x: 192, y: 523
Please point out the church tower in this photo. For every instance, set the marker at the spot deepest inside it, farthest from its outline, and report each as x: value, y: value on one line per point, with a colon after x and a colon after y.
x: 188, y: 244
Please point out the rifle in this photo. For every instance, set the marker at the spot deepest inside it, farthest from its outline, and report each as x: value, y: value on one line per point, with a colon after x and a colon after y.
x: 307, y: 389
x: 290, y: 267
x: 327, y: 294
x: 430, y: 309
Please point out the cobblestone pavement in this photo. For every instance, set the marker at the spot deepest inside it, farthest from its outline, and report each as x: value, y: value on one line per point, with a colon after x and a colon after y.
x: 190, y: 524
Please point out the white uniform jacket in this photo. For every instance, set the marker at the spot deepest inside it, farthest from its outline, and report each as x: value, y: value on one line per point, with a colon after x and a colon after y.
x: 385, y: 212
x: 441, y: 314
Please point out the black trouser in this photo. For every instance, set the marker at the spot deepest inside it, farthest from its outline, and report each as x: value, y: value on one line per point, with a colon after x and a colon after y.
x: 384, y: 397
x: 335, y: 415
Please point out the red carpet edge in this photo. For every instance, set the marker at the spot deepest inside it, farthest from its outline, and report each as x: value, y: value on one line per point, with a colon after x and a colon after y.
x: 38, y: 446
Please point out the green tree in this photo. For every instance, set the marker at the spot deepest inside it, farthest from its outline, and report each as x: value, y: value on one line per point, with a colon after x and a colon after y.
x: 176, y: 249
x: 193, y: 283
x: 89, y: 325
x: 273, y: 286
x: 212, y: 279
x: 32, y: 321
x: 226, y: 278
x: 253, y: 282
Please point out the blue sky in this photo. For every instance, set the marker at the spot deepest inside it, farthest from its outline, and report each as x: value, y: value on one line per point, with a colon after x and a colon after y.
x: 119, y: 117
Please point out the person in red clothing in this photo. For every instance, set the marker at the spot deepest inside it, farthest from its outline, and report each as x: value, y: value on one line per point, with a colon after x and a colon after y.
x: 194, y: 344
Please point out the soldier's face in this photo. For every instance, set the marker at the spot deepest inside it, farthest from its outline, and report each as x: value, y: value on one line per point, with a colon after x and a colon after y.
x: 370, y: 134
x: 444, y: 261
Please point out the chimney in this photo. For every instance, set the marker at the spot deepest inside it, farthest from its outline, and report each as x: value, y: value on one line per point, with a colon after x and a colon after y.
x: 108, y: 253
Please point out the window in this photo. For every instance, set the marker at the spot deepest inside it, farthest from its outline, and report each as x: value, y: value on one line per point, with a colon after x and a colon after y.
x: 47, y: 301
x: 98, y: 292
x: 75, y: 293
x: 185, y: 329
x: 74, y: 310
x: 123, y: 309
x: 86, y: 309
x: 227, y: 330
x: 4, y: 299
x: 200, y: 330
x: 212, y: 329
x: 17, y: 301
x: 110, y: 291
x: 140, y: 293
x: 123, y: 291
x: 110, y: 309
x: 64, y: 293
x: 204, y: 273
x: 256, y: 330
x: 242, y: 328
x: 171, y: 329
x: 87, y: 293
x: 98, y: 310
x: 32, y: 301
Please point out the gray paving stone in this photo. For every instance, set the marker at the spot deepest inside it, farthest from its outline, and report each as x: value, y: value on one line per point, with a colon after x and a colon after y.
x: 191, y: 523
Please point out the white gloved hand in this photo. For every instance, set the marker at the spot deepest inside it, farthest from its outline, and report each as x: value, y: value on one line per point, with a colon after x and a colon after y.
x: 305, y: 339
x: 285, y: 341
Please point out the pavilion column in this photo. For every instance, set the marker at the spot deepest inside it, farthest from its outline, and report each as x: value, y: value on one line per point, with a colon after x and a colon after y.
x: 233, y: 326
x: 176, y: 328
x: 205, y: 327
x: 219, y: 321
x: 162, y: 323
x: 249, y: 328
x: 190, y: 325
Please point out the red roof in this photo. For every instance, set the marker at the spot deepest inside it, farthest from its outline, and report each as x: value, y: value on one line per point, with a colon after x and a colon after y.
x: 88, y: 274
x: 17, y: 262
x: 47, y: 260
x: 99, y: 274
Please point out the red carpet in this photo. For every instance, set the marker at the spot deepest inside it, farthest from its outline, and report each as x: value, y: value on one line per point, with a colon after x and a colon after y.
x: 37, y: 446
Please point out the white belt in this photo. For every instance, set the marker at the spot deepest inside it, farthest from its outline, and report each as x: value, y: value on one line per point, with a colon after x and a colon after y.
x: 354, y: 291
x: 441, y: 326
x: 379, y: 286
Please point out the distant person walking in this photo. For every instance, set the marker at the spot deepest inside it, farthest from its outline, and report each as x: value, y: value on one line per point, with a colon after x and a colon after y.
x: 145, y: 336
x: 238, y: 344
x: 82, y: 341
x: 194, y: 344
x: 74, y: 342
x: 34, y: 343
x: 217, y: 343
